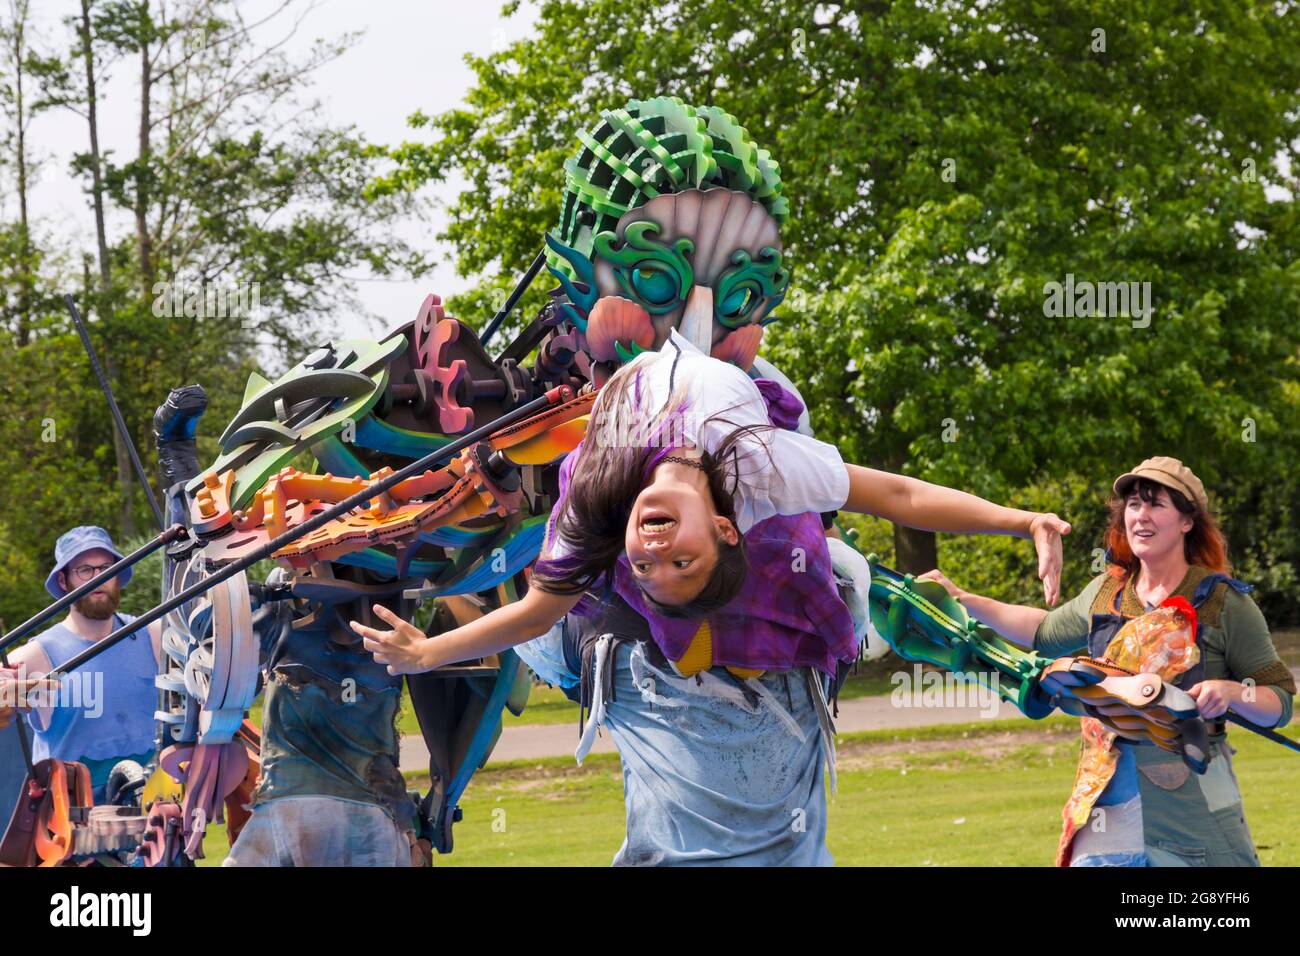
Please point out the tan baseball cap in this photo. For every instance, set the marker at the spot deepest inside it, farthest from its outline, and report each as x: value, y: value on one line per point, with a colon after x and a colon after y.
x: 1171, y: 473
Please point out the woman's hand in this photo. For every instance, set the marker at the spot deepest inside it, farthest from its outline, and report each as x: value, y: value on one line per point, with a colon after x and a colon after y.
x: 938, y: 576
x: 405, y: 649
x: 1046, y: 530
x: 1015, y: 622
x: 1214, y: 697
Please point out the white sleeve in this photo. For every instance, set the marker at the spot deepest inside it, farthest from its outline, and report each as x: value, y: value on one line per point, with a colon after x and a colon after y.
x: 777, y: 471
x: 786, y: 473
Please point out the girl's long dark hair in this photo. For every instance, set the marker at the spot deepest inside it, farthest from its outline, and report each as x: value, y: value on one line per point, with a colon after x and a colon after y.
x: 608, y: 476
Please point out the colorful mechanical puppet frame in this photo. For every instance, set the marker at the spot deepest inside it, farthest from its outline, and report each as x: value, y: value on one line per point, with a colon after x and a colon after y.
x: 435, y: 471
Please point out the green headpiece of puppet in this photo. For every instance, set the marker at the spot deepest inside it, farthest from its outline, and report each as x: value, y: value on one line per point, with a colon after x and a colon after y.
x: 647, y: 149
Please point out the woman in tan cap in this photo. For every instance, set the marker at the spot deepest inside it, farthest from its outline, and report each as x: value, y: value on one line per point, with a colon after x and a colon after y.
x: 1163, y: 544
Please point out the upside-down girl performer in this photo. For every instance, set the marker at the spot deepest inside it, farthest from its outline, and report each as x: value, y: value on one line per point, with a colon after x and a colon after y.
x: 720, y: 716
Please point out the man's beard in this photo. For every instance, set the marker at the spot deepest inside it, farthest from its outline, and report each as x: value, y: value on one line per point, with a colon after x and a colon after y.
x: 99, y: 607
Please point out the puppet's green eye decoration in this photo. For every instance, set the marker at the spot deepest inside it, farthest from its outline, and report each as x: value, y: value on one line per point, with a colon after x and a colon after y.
x: 749, y: 290
x: 654, y: 285
x: 654, y: 274
x: 739, y: 302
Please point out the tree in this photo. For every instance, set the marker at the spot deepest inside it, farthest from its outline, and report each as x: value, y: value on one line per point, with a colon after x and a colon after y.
x: 945, y: 166
x: 21, y: 100
x: 237, y: 184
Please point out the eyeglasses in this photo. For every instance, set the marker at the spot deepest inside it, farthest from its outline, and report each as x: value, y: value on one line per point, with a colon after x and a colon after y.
x: 84, y: 572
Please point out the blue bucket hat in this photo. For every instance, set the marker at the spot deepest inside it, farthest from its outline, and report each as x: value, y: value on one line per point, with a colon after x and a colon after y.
x: 77, y: 542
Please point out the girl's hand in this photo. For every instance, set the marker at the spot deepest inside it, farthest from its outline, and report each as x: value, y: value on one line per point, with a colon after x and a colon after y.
x: 1213, y: 697
x: 936, y: 575
x: 405, y: 649
x: 1046, y: 530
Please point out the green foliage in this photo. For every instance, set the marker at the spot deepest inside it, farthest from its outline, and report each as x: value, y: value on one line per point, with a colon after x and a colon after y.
x: 240, y: 183
x: 944, y: 165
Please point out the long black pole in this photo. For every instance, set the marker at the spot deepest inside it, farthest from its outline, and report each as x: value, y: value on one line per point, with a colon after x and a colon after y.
x: 117, y: 414
x: 553, y: 396
x: 173, y: 533
x: 520, y: 288
x: 23, y: 741
x: 1265, y: 732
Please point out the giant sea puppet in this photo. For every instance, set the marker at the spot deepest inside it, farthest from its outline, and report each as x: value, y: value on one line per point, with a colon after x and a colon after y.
x: 421, y: 467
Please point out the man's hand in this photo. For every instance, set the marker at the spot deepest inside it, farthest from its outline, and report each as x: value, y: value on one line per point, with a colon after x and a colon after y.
x: 404, y: 649
x: 1213, y: 697
x: 1046, y: 530
x: 23, y: 694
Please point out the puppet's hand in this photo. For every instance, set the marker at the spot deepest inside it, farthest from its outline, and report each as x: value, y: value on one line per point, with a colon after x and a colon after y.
x: 8, y: 698
x: 404, y: 649
x: 1046, y: 530
x: 21, y: 694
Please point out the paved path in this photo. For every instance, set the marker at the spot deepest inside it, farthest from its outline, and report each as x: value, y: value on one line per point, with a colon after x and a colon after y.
x: 534, y: 741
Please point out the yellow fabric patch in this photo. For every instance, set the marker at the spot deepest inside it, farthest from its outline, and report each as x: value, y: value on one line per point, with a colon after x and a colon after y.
x: 699, y: 655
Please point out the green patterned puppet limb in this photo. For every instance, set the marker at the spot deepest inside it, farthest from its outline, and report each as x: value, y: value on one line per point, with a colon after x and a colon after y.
x: 921, y: 622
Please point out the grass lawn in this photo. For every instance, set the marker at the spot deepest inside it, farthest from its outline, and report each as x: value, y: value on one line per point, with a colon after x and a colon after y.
x: 983, y: 794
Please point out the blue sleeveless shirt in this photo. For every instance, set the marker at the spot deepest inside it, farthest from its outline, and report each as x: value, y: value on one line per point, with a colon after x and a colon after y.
x: 105, y: 708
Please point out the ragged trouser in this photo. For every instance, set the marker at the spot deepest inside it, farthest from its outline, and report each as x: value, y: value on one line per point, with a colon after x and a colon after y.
x: 715, y: 773
x: 1192, y: 820
x: 1162, y: 814
x: 320, y: 831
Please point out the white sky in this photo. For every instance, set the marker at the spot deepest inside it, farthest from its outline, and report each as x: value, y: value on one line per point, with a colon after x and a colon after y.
x: 409, y: 58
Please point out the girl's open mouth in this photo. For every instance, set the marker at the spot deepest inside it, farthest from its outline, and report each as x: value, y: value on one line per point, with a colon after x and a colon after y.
x: 655, y: 524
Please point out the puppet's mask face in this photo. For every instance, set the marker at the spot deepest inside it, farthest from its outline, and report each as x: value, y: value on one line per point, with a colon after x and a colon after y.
x: 705, y: 262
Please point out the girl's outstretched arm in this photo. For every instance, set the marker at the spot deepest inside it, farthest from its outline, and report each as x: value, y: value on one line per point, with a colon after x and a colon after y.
x: 929, y: 507
x: 406, y: 649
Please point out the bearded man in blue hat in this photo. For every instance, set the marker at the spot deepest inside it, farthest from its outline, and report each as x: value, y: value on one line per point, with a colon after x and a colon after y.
x: 101, y: 713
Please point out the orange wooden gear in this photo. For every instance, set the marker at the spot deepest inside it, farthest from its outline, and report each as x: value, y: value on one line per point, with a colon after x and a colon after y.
x: 68, y: 787
x: 393, y: 517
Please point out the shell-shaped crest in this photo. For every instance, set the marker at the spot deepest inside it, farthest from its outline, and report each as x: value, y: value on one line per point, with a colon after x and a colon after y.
x: 616, y: 320
x: 740, y: 346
